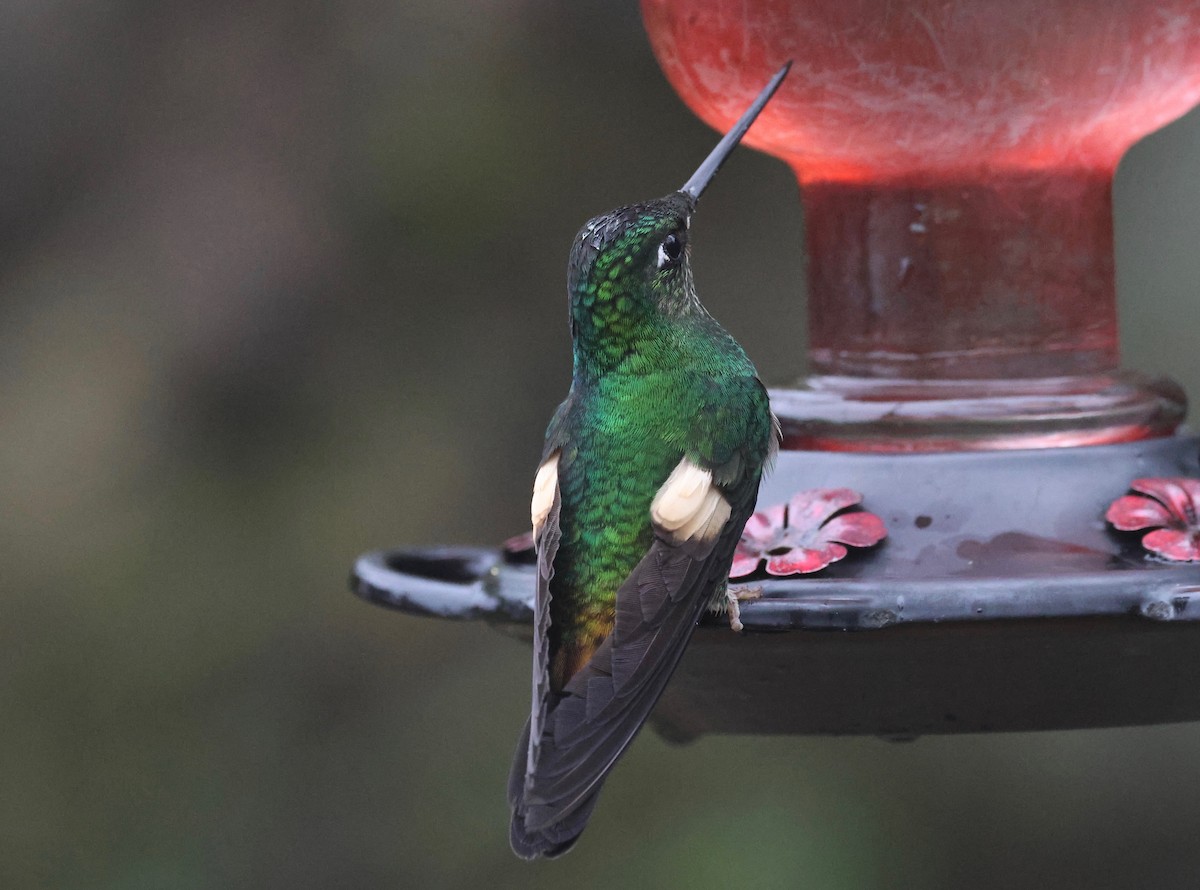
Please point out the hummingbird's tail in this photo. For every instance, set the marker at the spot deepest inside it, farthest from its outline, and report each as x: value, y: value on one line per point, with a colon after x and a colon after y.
x: 550, y: 840
x: 553, y: 840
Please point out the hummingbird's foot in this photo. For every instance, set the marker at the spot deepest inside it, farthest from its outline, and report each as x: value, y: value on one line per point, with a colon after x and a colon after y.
x: 735, y: 596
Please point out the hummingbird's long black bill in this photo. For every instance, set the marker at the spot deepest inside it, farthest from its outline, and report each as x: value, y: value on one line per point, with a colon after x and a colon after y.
x: 704, y: 174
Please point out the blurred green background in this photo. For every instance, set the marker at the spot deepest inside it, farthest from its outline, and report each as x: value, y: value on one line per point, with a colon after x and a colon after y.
x: 283, y: 282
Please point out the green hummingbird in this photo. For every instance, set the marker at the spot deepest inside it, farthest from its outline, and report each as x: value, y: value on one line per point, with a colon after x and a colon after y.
x: 650, y: 470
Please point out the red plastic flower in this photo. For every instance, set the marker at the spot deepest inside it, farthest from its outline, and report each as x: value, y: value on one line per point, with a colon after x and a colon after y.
x: 806, y: 534
x: 519, y: 550
x: 1171, y: 510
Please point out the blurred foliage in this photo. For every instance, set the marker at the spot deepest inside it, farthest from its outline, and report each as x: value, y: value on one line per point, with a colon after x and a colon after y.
x: 284, y: 282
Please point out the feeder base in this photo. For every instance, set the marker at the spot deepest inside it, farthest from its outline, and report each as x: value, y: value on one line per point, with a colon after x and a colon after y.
x: 1000, y: 601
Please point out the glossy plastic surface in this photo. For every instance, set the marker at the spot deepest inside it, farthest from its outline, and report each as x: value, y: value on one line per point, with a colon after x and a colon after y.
x: 1000, y: 600
x: 955, y: 161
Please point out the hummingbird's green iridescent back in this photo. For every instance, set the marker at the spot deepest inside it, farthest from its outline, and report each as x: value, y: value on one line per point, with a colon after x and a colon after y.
x: 650, y: 470
x: 656, y: 379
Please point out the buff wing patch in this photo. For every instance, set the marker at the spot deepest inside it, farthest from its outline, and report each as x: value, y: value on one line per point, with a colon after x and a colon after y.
x: 689, y: 506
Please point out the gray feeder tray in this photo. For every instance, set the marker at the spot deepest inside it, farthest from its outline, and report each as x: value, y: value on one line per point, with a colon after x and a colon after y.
x: 1000, y: 601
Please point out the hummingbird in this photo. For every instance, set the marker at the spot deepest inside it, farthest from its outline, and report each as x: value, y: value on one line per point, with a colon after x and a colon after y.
x: 650, y: 469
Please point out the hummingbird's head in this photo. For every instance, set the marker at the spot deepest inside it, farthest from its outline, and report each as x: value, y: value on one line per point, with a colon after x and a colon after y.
x: 629, y: 270
x: 629, y: 274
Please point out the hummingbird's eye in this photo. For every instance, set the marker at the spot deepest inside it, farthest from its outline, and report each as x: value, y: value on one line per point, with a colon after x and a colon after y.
x: 670, y: 250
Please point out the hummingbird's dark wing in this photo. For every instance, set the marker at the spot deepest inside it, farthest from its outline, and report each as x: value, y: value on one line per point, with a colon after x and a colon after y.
x: 547, y: 534
x: 575, y: 736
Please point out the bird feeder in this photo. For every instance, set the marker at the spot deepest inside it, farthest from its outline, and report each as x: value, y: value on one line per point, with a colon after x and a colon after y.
x: 978, y: 521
